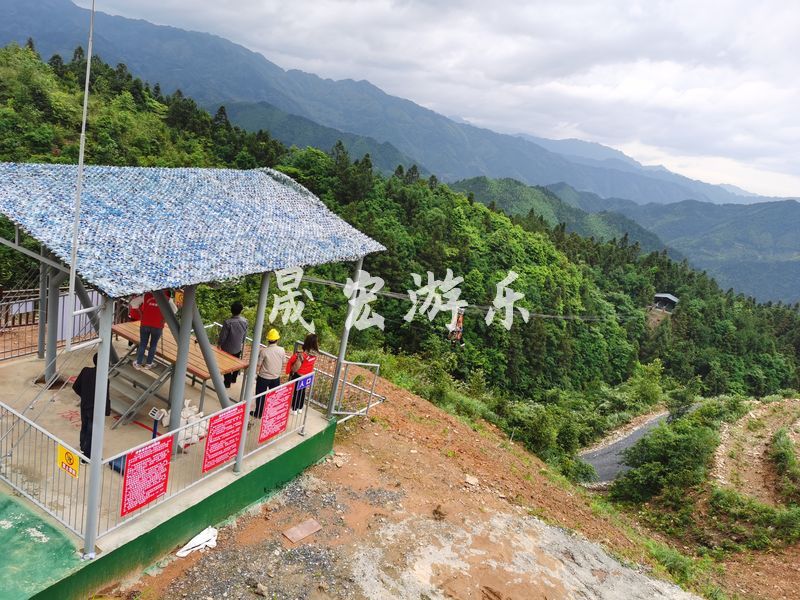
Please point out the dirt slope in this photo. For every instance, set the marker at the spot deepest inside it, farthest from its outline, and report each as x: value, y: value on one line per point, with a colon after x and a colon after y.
x: 742, y: 458
x: 415, y: 504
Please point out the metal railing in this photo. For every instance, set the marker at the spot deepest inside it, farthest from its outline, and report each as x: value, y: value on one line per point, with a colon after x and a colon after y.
x: 188, y: 465
x: 29, y: 463
x: 19, y: 321
x: 355, y: 393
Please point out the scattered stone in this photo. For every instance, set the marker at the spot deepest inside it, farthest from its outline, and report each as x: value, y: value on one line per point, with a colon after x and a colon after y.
x: 339, y: 462
x: 262, y: 590
x: 471, y: 480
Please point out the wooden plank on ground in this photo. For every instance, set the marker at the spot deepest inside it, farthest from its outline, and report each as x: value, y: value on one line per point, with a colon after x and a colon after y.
x: 303, y: 530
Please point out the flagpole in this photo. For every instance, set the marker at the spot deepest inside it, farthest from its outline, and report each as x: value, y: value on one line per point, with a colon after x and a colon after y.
x: 79, y: 188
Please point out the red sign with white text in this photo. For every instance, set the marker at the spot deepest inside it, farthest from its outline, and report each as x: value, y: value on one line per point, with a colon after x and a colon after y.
x: 275, y: 417
x: 224, y: 434
x: 146, y: 475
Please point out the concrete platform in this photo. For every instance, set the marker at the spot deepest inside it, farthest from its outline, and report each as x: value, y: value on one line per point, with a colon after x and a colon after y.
x: 205, y: 503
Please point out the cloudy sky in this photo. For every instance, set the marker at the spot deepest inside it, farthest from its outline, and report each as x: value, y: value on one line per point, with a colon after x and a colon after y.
x: 708, y: 89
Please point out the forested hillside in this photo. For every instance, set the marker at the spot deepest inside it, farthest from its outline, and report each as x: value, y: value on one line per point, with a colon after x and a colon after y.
x: 551, y: 380
x: 517, y: 199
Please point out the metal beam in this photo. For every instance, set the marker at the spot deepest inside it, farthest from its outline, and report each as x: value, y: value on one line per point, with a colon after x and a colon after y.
x: 98, y: 428
x: 251, y: 368
x: 210, y: 358
x: 51, y: 348
x: 343, y: 343
x: 32, y: 254
x: 177, y: 389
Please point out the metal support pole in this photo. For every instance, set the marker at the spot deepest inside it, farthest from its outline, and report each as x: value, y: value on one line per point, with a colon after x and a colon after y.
x: 98, y: 427
x: 253, y: 366
x: 177, y: 385
x: 343, y: 343
x: 51, y: 348
x: 73, y: 264
x: 211, y: 360
x: 166, y: 311
x: 42, y: 307
x: 86, y: 302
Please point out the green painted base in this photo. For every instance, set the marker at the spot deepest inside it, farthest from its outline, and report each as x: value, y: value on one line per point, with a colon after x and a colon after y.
x: 147, y: 548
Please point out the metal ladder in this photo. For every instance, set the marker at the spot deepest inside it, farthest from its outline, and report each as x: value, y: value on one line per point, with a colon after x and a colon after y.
x: 119, y: 371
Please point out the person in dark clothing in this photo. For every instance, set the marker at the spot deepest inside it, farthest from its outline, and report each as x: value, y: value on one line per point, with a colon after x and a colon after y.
x: 84, y: 387
x: 232, y: 336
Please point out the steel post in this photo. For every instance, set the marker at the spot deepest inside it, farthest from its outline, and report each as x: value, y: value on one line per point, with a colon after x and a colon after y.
x: 184, y: 339
x: 253, y: 366
x: 86, y: 302
x: 51, y: 348
x: 98, y: 428
x: 42, y: 307
x: 343, y: 344
x: 166, y: 311
x: 211, y: 361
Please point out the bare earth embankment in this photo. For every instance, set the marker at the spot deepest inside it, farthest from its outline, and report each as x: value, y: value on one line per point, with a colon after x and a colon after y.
x: 416, y: 504
x: 742, y: 462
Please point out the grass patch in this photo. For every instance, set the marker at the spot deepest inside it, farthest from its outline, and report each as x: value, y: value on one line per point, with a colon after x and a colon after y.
x: 783, y: 454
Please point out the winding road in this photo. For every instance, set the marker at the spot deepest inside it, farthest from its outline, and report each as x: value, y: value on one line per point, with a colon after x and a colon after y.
x: 608, y: 460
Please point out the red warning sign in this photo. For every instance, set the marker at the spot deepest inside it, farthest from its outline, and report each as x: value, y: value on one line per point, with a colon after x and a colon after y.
x: 277, y: 403
x: 224, y: 434
x: 146, y: 475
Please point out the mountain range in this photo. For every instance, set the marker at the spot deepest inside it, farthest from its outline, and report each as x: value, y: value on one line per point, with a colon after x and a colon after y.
x: 753, y: 248
x: 742, y: 239
x: 216, y: 71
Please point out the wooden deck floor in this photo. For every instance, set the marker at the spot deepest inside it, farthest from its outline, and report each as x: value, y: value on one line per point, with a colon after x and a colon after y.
x: 168, y: 351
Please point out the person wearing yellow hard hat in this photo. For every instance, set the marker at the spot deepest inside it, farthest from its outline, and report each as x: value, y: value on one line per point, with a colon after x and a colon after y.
x: 270, y: 366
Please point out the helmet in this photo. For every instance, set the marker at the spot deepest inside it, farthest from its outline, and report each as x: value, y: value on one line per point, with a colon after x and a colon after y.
x: 273, y: 335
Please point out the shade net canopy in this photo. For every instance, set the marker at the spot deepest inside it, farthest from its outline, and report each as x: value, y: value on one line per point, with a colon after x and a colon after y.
x: 145, y: 229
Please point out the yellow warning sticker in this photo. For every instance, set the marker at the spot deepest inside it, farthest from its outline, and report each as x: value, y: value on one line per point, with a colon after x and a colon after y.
x: 68, y: 461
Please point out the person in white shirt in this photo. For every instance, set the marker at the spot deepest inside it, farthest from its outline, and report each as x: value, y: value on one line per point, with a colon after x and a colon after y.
x: 271, y: 361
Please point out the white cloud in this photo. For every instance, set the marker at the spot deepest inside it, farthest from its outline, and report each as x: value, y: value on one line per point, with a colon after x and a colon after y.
x: 707, y: 88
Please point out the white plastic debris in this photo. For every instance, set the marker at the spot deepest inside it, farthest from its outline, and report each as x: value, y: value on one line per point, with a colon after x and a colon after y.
x: 205, y: 539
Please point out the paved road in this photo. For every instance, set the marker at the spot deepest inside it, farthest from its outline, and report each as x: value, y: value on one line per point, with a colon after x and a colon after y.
x: 608, y: 461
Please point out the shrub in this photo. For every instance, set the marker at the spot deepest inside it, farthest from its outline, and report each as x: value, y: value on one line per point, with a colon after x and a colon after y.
x: 784, y: 454
x: 673, y: 455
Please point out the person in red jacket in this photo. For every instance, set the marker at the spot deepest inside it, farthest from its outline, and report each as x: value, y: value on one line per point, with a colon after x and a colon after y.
x: 302, y: 363
x: 150, y: 329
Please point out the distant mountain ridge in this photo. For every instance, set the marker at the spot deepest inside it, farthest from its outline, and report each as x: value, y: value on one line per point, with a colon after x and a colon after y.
x: 213, y: 70
x: 754, y: 248
x: 300, y: 131
x: 518, y: 199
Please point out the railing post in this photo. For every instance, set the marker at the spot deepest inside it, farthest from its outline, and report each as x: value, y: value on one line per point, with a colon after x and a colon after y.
x: 343, y: 343
x: 53, y: 301
x: 42, y: 307
x: 98, y: 428
x: 250, y: 376
x: 177, y: 384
